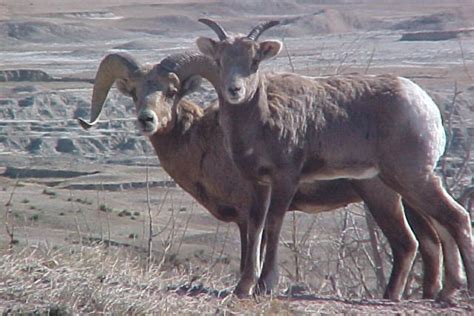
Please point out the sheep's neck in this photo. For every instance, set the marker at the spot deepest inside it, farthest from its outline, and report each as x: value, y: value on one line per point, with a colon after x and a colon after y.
x: 170, y: 145
x: 251, y: 113
x: 243, y: 126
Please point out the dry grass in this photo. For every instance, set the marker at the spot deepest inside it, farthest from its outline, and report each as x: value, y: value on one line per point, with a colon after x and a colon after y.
x: 98, y: 279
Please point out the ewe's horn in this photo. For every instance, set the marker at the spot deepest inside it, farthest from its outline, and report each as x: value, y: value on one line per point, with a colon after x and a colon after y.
x: 111, y: 68
x: 221, y: 33
x: 262, y: 27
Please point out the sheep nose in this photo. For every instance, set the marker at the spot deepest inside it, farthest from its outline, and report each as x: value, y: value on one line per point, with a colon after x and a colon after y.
x: 234, y: 90
x: 146, y: 117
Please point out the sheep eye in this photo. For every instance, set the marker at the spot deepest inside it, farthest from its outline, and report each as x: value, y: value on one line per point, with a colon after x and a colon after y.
x: 133, y: 94
x: 170, y: 93
x: 254, y: 65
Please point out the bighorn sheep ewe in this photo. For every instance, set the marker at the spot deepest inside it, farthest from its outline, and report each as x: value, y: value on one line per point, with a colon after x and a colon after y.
x: 190, y: 145
x: 283, y: 129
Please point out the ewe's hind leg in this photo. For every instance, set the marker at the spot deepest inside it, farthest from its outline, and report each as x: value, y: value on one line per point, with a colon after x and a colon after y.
x: 453, y: 274
x: 387, y: 210
x: 433, y: 238
x: 425, y: 193
x: 430, y: 250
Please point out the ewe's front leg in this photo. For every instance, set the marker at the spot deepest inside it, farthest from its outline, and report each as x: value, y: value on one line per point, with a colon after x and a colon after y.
x: 281, y: 199
x: 243, y: 245
x: 256, y: 221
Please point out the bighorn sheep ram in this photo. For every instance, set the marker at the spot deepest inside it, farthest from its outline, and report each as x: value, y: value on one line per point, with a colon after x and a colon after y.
x: 284, y: 129
x: 190, y: 145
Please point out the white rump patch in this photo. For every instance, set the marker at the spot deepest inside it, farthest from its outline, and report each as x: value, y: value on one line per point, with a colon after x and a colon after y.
x: 428, y: 114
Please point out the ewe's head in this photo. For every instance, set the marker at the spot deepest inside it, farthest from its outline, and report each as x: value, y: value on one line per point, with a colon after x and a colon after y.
x: 238, y: 59
x: 154, y: 90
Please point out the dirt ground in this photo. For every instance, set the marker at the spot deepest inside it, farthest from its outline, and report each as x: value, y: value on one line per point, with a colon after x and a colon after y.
x: 61, y: 186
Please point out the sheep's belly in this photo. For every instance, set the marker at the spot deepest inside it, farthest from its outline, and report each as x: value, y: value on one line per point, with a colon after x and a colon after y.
x: 343, y: 173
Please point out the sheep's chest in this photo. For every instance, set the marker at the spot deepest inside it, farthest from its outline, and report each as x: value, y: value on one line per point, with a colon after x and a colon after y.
x: 253, y: 165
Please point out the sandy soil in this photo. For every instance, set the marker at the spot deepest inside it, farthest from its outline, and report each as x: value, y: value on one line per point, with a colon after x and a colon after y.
x: 42, y: 148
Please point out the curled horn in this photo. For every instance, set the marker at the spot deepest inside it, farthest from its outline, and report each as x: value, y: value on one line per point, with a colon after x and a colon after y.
x: 221, y: 33
x: 111, y: 68
x: 262, y: 27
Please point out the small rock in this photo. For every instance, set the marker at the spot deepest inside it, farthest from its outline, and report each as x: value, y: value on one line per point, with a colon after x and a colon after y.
x: 26, y: 102
x: 34, y: 145
x: 65, y: 145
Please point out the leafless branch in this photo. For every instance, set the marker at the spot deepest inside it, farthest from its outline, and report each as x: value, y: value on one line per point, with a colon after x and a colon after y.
x: 378, y: 268
x: 150, y: 220
x: 290, y: 61
x: 466, y: 69
x: 371, y: 58
x: 9, y: 224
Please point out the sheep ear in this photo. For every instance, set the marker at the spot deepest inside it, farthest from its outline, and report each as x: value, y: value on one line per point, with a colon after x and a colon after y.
x: 175, y: 83
x: 190, y: 85
x: 207, y: 46
x: 269, y: 49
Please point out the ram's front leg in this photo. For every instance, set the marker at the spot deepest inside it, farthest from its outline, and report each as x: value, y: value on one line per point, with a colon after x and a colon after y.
x: 256, y: 222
